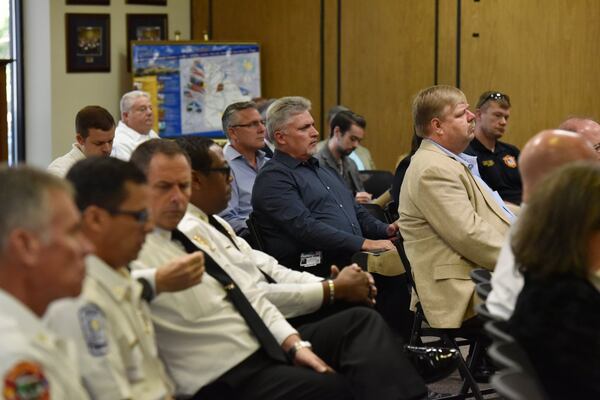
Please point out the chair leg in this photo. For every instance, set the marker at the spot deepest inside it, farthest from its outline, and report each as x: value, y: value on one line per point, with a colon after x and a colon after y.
x: 415, y: 335
x: 468, y: 380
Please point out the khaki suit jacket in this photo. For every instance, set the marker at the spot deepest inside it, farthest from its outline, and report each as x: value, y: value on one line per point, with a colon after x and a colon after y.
x: 450, y: 224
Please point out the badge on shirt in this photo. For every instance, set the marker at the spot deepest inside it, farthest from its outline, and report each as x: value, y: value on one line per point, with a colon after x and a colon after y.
x: 487, y: 163
x: 510, y: 161
x: 93, y: 327
x: 25, y: 381
x: 310, y: 259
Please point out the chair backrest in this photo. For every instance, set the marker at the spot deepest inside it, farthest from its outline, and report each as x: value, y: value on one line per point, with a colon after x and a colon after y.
x: 376, y: 211
x: 481, y: 275
x: 255, y: 237
x: 391, y: 211
x: 402, y: 253
x: 483, y: 312
x: 376, y: 182
x: 517, y: 385
x: 483, y: 290
x: 498, y: 331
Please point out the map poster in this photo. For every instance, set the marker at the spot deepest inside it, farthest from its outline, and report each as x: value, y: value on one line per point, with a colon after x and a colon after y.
x: 193, y: 82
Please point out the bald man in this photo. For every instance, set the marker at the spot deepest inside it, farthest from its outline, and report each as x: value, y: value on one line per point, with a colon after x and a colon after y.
x: 587, y: 127
x: 541, y: 155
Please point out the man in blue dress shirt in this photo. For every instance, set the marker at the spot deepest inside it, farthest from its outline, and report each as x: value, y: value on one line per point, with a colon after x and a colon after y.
x: 246, y: 132
x: 307, y: 217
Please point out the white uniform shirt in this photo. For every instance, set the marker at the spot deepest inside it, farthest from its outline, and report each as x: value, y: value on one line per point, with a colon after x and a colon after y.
x: 63, y: 164
x: 507, y: 283
x: 126, y: 140
x: 200, y: 334
x: 33, y: 360
x: 296, y: 293
x: 113, y: 331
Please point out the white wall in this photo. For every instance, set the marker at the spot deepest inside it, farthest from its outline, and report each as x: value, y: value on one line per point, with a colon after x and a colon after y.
x: 52, y: 96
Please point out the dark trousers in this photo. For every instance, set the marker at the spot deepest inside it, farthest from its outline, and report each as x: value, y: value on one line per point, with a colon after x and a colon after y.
x: 357, y: 343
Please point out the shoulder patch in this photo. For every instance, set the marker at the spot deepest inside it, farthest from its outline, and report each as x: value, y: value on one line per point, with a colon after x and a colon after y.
x: 93, y: 327
x: 25, y: 381
x: 510, y: 161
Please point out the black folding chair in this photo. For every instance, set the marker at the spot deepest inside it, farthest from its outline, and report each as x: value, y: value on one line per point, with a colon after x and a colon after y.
x: 517, y: 385
x: 483, y: 290
x: 376, y: 211
x: 485, y: 314
x: 481, y: 275
x: 497, y: 330
x: 453, y: 338
x: 376, y: 182
x: 255, y: 238
x: 391, y: 211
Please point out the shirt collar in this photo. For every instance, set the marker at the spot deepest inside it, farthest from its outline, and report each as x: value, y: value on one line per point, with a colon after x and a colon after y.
x: 133, y: 134
x: 475, y: 143
x: 232, y: 154
x: 162, y: 233
x: 195, y: 211
x: 467, y: 160
x: 117, y: 282
x: 292, y: 162
x: 25, y: 318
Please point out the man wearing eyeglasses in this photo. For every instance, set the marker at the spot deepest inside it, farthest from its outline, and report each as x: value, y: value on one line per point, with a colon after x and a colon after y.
x: 246, y: 132
x: 135, y: 126
x: 110, y: 323
x: 497, y: 161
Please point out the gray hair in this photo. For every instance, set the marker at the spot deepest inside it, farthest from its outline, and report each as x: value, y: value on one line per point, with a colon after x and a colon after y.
x: 232, y: 109
x: 282, y: 110
x: 129, y: 98
x: 25, y: 201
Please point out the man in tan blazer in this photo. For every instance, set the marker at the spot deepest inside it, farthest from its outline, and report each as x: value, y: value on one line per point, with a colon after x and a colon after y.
x: 451, y: 221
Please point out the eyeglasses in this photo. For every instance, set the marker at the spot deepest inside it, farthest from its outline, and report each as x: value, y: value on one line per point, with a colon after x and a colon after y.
x: 226, y: 171
x: 139, y: 216
x: 253, y: 124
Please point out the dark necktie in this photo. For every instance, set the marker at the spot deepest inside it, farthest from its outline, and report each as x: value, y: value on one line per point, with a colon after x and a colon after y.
x: 235, y: 295
x: 217, y: 225
x: 213, y: 221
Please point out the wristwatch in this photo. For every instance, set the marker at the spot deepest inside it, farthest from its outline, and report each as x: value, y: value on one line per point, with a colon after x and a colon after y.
x: 300, y: 344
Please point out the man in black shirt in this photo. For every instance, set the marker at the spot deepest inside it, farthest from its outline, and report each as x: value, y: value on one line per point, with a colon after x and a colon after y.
x: 307, y: 216
x: 497, y: 161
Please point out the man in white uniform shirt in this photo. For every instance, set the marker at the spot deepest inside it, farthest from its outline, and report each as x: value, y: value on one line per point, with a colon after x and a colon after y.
x: 95, y: 129
x: 541, y: 155
x: 42, y: 252
x: 294, y: 293
x: 135, y: 126
x: 211, y: 343
x: 110, y: 323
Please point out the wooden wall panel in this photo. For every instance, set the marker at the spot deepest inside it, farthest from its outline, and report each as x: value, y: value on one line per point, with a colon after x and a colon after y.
x: 543, y: 53
x: 200, y: 16
x: 330, y: 60
x: 387, y: 56
x: 447, y: 23
x: 289, y: 33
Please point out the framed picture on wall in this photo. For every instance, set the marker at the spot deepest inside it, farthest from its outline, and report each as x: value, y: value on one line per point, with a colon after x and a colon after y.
x: 146, y: 27
x: 88, y: 2
x: 147, y: 2
x: 88, y: 42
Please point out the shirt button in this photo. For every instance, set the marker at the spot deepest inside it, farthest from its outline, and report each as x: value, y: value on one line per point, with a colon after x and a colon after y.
x: 341, y: 206
x: 327, y: 187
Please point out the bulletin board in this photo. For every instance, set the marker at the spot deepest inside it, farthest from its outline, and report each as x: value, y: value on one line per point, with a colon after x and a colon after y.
x: 191, y: 83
